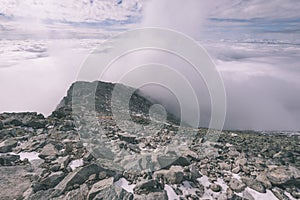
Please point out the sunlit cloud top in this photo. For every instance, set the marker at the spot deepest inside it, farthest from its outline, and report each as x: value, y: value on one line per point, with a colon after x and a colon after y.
x: 70, y: 10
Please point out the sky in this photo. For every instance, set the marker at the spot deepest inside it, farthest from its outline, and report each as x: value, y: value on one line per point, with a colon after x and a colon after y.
x: 255, y: 45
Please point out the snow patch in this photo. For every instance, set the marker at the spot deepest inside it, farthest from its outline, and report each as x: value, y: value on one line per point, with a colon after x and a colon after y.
x: 186, y: 188
x: 236, y: 176
x: 171, y: 193
x: 76, y: 163
x: 222, y: 183
x: 23, y: 155
x: 29, y: 155
x: 204, y: 181
x: 256, y: 195
x: 123, y: 183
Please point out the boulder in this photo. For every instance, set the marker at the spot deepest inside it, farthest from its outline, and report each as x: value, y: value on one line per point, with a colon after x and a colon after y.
x: 296, y: 194
x: 42, y: 194
x: 254, y: 184
x: 236, y: 185
x: 162, y: 195
x: 233, y: 153
x: 100, y: 186
x: 283, y: 175
x: 7, y: 145
x: 224, y: 166
x: 51, y: 181
x: 113, y: 193
x: 215, y: 187
x: 264, y: 180
x: 13, y: 182
x: 166, y: 161
x: 77, y: 194
x: 48, y: 150
x: 279, y: 193
x: 236, y: 170
x: 79, y: 176
x: 241, y: 161
x: 63, y: 161
x: 174, y: 175
x: 248, y: 195
x: 148, y: 187
x: 127, y: 137
x: 13, y: 122
x: 237, y: 197
x: 1, y: 125
x: 296, y: 175
x: 36, y: 124
x: 194, y: 173
x: 9, y: 160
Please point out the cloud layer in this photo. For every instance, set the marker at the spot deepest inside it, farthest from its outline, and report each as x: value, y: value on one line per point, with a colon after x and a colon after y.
x: 254, y: 43
x: 260, y: 69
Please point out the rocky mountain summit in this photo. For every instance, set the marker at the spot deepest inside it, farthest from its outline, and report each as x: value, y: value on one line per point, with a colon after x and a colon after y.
x: 82, y: 152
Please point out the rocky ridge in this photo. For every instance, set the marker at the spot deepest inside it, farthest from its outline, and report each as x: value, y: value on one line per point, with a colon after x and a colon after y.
x: 48, y: 158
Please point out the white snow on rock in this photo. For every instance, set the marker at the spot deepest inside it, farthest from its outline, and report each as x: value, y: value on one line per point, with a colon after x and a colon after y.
x: 123, y: 183
x: 208, y: 193
x: 171, y: 193
x: 236, y: 176
x: 25, y: 155
x: 29, y: 155
x: 204, y: 181
x: 222, y: 183
x: 268, y: 195
x: 76, y: 163
x: 186, y: 188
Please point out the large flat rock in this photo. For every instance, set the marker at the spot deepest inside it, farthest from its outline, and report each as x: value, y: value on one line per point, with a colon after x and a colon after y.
x: 13, y: 182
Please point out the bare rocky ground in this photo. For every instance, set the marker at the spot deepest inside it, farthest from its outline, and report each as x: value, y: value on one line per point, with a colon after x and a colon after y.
x: 59, y: 157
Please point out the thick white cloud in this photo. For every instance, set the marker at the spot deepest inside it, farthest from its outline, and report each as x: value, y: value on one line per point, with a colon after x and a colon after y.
x: 33, y: 83
x: 261, y: 75
x: 262, y: 83
x: 70, y: 10
x: 249, y: 9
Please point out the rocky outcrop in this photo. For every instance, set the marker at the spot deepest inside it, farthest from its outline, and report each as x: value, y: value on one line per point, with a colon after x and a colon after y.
x: 59, y: 157
x: 284, y: 175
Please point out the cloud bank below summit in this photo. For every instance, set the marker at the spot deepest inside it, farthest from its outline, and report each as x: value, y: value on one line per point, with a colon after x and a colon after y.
x: 260, y: 71
x: 255, y: 45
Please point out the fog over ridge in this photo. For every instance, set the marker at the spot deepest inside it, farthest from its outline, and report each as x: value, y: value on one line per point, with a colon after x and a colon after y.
x: 256, y: 52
